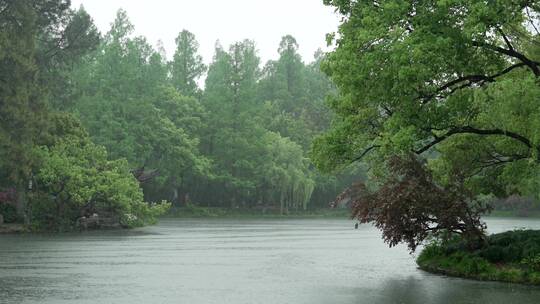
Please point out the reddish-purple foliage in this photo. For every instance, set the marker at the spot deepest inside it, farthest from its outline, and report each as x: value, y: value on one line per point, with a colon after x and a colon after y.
x: 410, y: 206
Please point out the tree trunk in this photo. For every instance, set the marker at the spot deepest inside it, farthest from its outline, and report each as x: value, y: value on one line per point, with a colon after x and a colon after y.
x: 20, y: 203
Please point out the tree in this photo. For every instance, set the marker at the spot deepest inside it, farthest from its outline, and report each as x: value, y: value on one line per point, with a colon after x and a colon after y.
x: 22, y: 109
x: 410, y: 207
x: 458, y: 78
x: 38, y: 39
x: 252, y: 164
x: 232, y: 135
x: 127, y: 106
x: 284, y: 173
x: 60, y: 47
x: 187, y: 65
x: 283, y: 80
x: 76, y: 179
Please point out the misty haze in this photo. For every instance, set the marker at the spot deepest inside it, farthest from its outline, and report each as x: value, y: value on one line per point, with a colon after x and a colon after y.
x: 311, y: 151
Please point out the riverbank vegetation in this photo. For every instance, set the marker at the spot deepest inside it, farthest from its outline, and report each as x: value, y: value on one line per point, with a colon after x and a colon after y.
x: 101, y: 125
x: 193, y: 211
x: 442, y: 100
x: 512, y: 256
x: 513, y: 206
x: 429, y: 107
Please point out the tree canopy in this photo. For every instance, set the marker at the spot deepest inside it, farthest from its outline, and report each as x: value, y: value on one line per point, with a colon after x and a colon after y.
x: 99, y: 123
x: 55, y: 171
x: 455, y: 81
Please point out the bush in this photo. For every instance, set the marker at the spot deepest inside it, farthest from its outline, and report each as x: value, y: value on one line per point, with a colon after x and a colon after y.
x: 532, y: 262
x: 512, y: 256
x: 511, y: 246
x: 9, y: 213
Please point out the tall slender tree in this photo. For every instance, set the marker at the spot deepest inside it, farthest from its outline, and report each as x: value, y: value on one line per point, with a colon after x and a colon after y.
x: 187, y: 65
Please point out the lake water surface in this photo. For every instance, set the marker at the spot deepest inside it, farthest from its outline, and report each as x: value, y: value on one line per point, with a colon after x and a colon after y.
x: 312, y: 261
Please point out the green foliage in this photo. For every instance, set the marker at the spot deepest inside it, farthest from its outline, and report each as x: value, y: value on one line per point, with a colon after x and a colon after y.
x: 22, y: 109
x: 127, y: 106
x: 9, y: 213
x: 194, y: 211
x: 187, y: 66
x: 456, y: 81
x: 511, y: 256
x: 252, y: 163
x: 512, y: 246
x: 532, y: 262
x: 77, y: 180
x: 84, y: 112
x: 142, y: 214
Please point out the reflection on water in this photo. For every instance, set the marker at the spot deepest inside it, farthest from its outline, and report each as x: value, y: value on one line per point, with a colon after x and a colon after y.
x: 228, y: 261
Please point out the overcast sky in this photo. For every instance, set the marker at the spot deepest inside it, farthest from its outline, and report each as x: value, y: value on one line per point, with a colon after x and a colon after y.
x: 264, y: 21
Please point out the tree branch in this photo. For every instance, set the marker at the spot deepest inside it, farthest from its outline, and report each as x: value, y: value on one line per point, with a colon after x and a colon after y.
x: 471, y: 80
x: 366, y: 151
x: 533, y: 65
x: 506, y: 40
x: 472, y: 130
x: 531, y: 21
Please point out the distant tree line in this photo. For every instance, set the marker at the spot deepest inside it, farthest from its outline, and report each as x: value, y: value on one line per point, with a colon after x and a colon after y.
x: 105, y: 123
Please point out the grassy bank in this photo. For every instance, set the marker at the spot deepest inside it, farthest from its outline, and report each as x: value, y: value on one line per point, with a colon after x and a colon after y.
x: 212, y: 212
x: 512, y: 256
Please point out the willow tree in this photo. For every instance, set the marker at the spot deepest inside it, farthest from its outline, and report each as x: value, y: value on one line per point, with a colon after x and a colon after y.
x: 284, y: 173
x: 454, y: 79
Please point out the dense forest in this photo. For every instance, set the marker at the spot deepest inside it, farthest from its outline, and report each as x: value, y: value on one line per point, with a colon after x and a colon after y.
x: 103, y: 123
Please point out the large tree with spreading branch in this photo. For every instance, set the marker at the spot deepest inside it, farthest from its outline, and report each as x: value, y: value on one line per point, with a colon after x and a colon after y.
x: 454, y: 79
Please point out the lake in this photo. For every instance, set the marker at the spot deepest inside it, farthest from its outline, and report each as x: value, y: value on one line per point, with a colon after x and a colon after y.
x: 312, y: 261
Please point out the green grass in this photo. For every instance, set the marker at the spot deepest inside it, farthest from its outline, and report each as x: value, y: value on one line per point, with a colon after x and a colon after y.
x: 193, y: 211
x: 512, y: 256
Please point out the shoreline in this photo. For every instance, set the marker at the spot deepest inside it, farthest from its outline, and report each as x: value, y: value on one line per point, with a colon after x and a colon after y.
x: 479, y: 278
x: 512, y: 257
x: 12, y: 229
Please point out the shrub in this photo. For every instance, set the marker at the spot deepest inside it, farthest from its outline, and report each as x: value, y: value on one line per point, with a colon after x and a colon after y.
x: 512, y: 256
x: 532, y: 262
x: 511, y: 246
x: 9, y: 213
